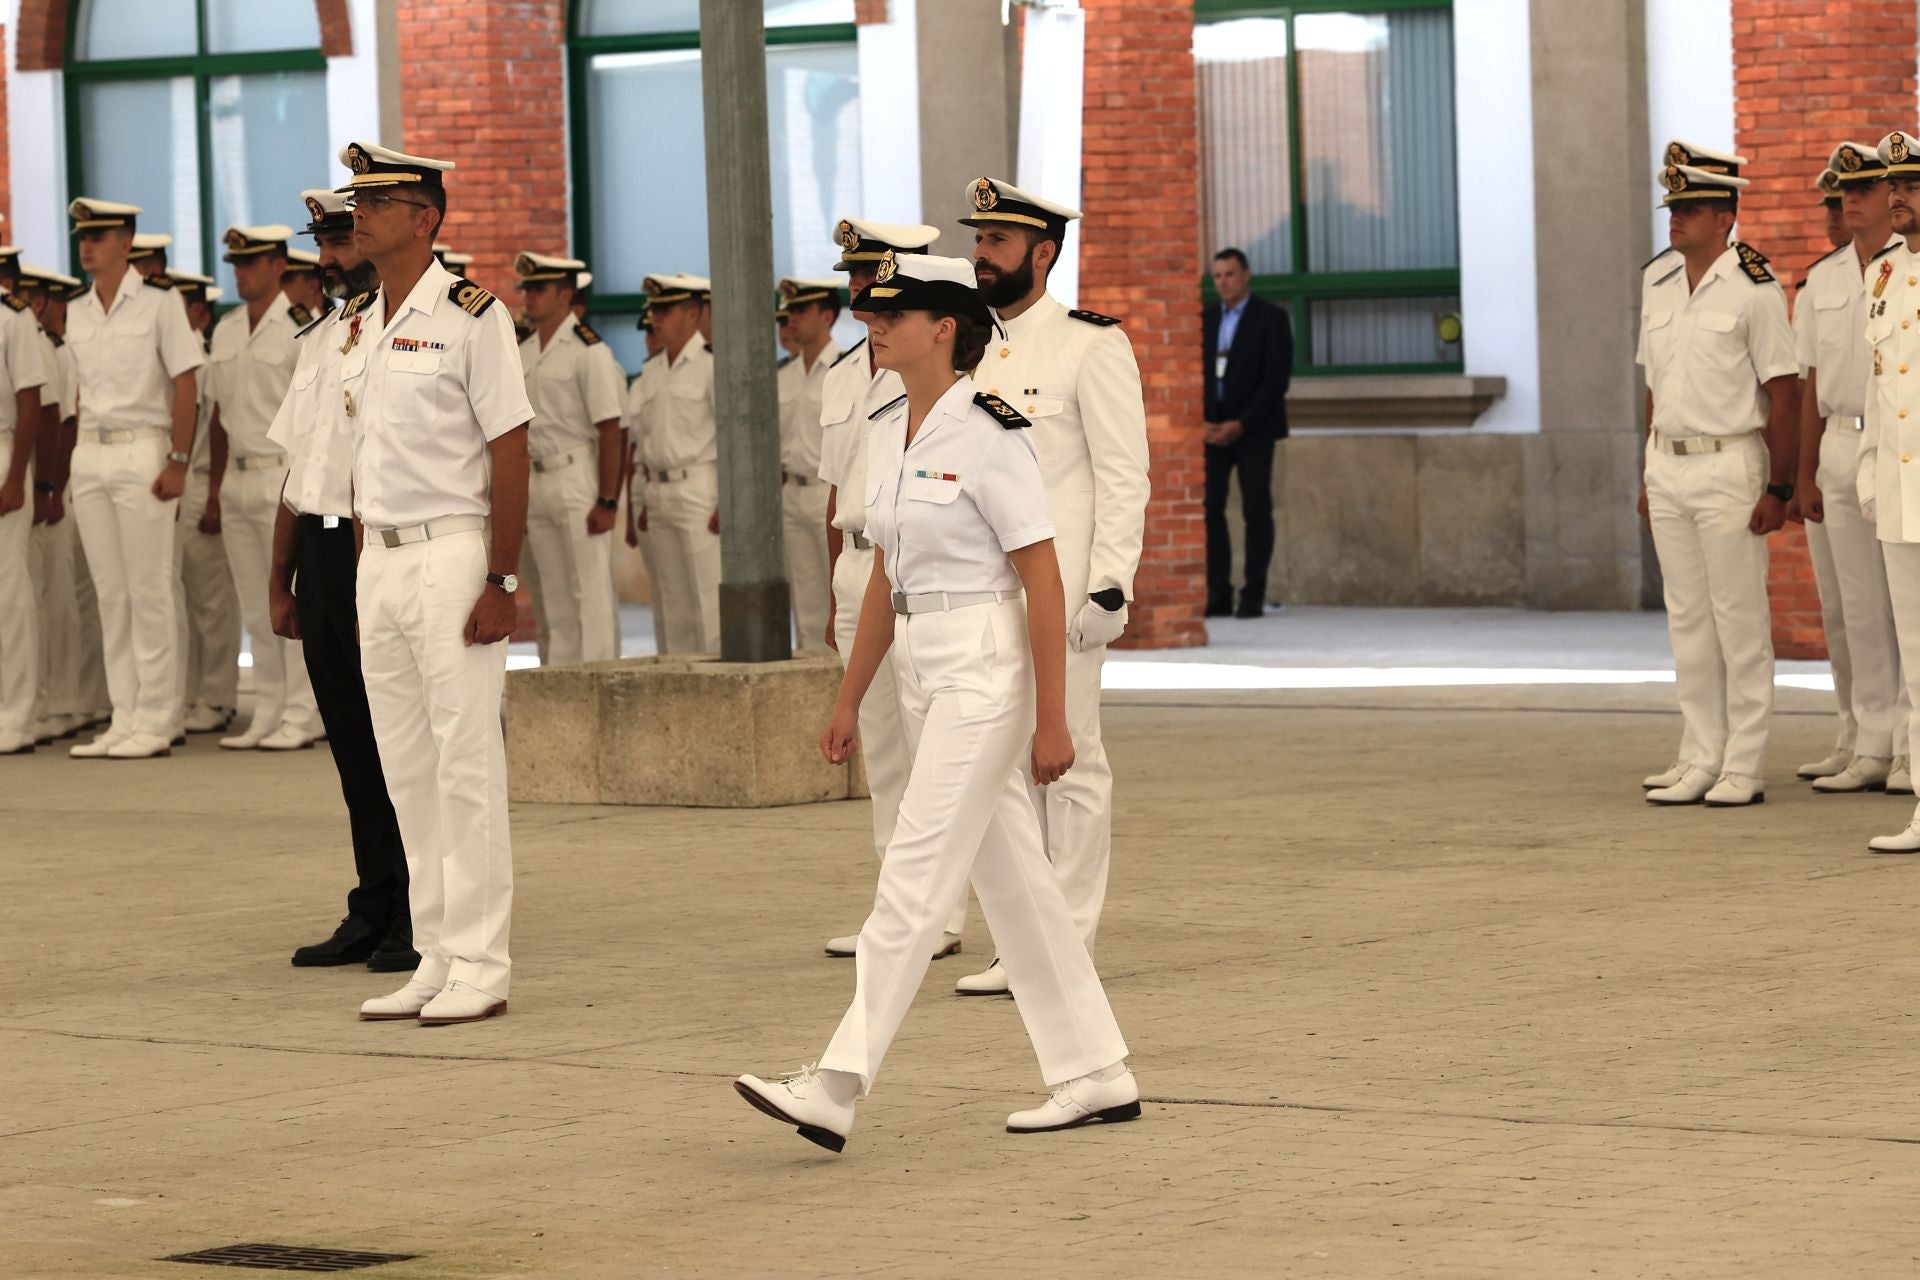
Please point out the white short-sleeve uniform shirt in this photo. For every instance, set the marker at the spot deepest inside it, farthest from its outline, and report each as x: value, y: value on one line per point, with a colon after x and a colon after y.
x: 1709, y: 353
x: 127, y: 358
x: 851, y: 391
x: 313, y: 428
x: 800, y: 390
x: 575, y: 384
x: 249, y: 369
x: 949, y: 507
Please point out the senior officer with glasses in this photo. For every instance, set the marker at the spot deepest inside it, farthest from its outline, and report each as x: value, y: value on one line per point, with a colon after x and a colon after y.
x: 430, y: 383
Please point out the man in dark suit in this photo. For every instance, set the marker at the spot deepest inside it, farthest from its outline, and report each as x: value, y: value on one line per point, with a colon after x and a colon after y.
x: 1249, y: 362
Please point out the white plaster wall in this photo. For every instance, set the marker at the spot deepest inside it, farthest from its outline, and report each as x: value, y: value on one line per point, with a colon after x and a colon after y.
x: 1052, y: 100
x: 1689, y: 80
x: 37, y: 159
x: 1493, y: 106
x: 890, y: 117
x: 353, y: 89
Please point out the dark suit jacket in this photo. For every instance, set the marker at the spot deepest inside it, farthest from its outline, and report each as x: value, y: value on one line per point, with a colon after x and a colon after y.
x: 1259, y: 368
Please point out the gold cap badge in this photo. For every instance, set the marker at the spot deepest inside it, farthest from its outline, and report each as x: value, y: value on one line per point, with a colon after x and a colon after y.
x: 1673, y: 179
x: 358, y: 160
x: 315, y: 209
x: 984, y: 195
x: 1850, y: 160
x: 1677, y: 154
x: 884, y: 272
x: 1897, y: 149
x: 235, y: 240
x: 845, y: 236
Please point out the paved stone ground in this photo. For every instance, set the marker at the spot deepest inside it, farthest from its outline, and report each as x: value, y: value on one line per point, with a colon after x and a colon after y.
x: 1417, y: 986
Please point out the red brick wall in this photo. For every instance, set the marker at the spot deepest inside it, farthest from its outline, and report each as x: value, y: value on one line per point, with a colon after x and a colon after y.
x: 1807, y: 75
x: 1140, y: 193
x: 869, y: 12
x: 484, y: 85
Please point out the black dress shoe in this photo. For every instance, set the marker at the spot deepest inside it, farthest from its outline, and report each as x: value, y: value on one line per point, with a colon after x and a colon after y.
x: 351, y: 943
x: 395, y: 954
x: 1220, y: 606
x: 1251, y: 606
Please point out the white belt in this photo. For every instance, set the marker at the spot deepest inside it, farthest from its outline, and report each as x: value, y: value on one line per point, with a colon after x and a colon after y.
x: 259, y: 461
x: 667, y: 475
x: 1699, y: 444
x: 114, y: 435
x: 431, y: 529
x: 1847, y: 422
x: 555, y: 461
x: 942, y: 601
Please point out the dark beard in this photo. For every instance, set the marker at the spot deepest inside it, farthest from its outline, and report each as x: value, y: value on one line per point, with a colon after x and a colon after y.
x: 1009, y: 287
x: 341, y: 285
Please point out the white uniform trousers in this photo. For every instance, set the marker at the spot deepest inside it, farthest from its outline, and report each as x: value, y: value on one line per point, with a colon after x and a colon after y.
x: 650, y: 558
x: 435, y: 702
x: 128, y: 534
x: 89, y: 658
x: 883, y: 725
x: 19, y: 616
x: 56, y: 597
x: 803, y: 509
x: 687, y: 555
x: 1718, y: 620
x: 966, y: 686
x: 574, y: 587
x: 249, y: 504
x: 1855, y: 607
x: 208, y: 628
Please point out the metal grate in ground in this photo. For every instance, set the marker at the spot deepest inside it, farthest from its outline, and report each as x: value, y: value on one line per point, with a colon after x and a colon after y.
x: 287, y: 1257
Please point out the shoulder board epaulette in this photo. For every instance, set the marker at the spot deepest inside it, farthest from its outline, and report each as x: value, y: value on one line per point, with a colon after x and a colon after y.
x: 1000, y: 409
x: 311, y: 325
x: 1665, y: 276
x: 14, y: 300
x: 469, y: 297
x: 299, y: 313
x: 157, y: 282
x: 1845, y: 248
x: 1753, y: 262
x: 587, y: 336
x: 1884, y: 252
x: 886, y: 408
x: 785, y: 361
x: 522, y: 331
x: 708, y: 346
x: 1093, y: 317
x: 56, y: 339
x: 844, y: 354
x: 1655, y: 258
x: 356, y: 304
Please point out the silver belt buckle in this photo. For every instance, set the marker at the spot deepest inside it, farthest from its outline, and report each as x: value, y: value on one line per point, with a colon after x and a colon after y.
x: 390, y: 537
x: 329, y: 522
x: 1858, y: 424
x: 900, y: 603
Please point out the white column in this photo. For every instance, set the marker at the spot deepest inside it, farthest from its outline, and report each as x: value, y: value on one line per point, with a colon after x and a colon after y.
x: 1052, y: 80
x: 353, y: 84
x: 890, y: 116
x: 37, y: 140
x: 1689, y: 80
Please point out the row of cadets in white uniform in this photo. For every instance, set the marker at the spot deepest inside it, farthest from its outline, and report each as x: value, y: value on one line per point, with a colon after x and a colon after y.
x: 431, y: 386
x: 1871, y: 750
x: 805, y: 313
x: 1720, y: 457
x: 674, y: 432
x: 578, y: 451
x: 957, y: 506
x: 24, y: 365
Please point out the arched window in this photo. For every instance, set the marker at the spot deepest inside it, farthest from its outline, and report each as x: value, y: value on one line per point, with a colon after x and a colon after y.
x: 205, y: 113
x: 639, y: 148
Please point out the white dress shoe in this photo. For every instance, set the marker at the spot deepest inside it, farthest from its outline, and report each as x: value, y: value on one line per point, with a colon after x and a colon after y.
x: 1691, y: 789
x: 461, y: 1003
x: 1907, y: 841
x: 141, y: 746
x: 1863, y: 773
x: 206, y: 719
x: 98, y: 748
x: 288, y: 738
x: 247, y: 741
x: 1079, y: 1102
x: 804, y: 1100
x: 842, y: 948
x: 991, y: 982
x: 1734, y: 790
x: 16, y: 744
x: 1900, y: 777
x: 1667, y: 779
x: 1826, y: 768
x: 407, y: 1002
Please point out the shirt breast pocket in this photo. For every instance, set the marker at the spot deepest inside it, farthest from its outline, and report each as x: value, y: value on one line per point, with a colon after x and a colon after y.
x: 304, y: 375
x: 929, y: 489
x: 412, y: 386
x: 1037, y: 409
x: 1720, y: 340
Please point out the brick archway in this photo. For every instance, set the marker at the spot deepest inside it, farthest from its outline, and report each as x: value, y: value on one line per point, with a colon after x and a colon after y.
x: 42, y: 44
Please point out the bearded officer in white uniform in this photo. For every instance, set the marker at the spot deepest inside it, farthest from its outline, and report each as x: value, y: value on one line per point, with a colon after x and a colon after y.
x: 1828, y: 323
x: 808, y: 310
x: 577, y: 446
x: 1721, y: 451
x: 679, y: 462
x: 853, y: 388
x: 138, y: 405
x: 1073, y: 375
x: 251, y: 366
x: 1888, y: 480
x: 23, y: 363
x: 431, y: 380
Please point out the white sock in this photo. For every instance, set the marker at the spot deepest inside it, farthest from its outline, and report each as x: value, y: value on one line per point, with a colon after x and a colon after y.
x: 1106, y: 1075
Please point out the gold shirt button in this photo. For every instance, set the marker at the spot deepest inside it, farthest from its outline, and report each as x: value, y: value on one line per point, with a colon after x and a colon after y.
x: 1903, y: 368
x: 1004, y: 353
x: 1906, y: 457
x: 1903, y: 413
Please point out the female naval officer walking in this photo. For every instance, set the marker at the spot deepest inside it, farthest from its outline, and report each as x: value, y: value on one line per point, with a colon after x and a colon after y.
x: 958, y: 514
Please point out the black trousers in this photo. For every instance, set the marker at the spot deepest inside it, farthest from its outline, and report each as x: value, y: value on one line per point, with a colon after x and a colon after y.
x: 325, y: 570
x: 1252, y: 459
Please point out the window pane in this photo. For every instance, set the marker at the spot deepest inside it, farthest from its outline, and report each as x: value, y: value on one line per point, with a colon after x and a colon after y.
x: 137, y: 144
x: 1245, y: 197
x: 269, y: 140
x: 654, y: 17
x: 249, y: 26
x: 1376, y: 116
x: 649, y: 195
x: 628, y: 344
x: 135, y: 29
x: 1352, y: 331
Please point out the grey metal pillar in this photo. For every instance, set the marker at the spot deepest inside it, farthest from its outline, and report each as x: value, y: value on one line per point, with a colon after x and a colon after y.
x: 754, y: 596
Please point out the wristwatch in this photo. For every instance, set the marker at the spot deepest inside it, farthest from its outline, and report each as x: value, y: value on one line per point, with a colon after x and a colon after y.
x: 507, y: 582
x: 607, y: 504
x: 41, y: 486
x: 175, y: 455
x: 1784, y: 492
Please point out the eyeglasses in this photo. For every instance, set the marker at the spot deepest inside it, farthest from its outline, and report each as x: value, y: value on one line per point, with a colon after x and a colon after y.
x: 376, y: 201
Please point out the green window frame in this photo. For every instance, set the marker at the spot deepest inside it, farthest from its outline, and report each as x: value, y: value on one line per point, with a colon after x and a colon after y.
x: 1300, y: 288
x: 203, y: 67
x: 581, y: 50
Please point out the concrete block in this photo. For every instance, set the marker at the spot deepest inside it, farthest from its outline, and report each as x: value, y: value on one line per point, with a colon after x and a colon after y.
x: 674, y: 731
x: 1352, y: 532
x: 1472, y: 520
